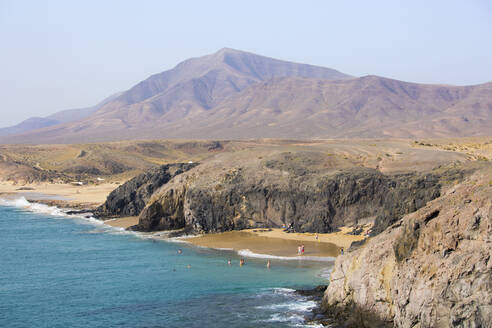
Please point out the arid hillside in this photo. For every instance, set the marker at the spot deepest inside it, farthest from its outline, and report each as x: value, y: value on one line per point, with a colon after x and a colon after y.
x: 119, y: 161
x: 233, y: 94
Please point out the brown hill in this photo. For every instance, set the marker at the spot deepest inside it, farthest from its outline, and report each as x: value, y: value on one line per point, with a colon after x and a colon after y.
x: 234, y: 95
x: 64, y: 116
x: 362, y: 107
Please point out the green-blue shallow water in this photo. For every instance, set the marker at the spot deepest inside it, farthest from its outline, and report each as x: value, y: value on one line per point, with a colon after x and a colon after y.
x: 64, y: 272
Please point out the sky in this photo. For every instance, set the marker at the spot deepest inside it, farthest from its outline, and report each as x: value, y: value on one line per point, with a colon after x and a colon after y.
x: 57, y: 55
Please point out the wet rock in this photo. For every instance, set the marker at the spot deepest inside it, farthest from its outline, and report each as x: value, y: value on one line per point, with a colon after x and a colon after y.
x: 315, y: 292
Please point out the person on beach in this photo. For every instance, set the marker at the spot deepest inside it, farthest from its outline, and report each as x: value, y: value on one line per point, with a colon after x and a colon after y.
x: 341, y: 251
x: 302, y: 249
x: 268, y: 264
x: 299, y: 250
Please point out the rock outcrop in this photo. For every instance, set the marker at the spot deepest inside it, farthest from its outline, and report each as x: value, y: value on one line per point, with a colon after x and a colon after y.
x: 432, y: 268
x: 130, y: 198
x: 273, y: 192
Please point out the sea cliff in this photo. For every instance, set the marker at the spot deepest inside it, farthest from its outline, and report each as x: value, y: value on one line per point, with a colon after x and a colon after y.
x: 280, y: 189
x: 426, y: 264
x: 432, y: 268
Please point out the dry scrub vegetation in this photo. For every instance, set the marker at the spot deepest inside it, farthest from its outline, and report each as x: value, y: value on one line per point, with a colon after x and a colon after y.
x: 119, y: 161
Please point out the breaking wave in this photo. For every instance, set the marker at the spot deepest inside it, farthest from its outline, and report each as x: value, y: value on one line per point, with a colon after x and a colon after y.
x: 248, y: 253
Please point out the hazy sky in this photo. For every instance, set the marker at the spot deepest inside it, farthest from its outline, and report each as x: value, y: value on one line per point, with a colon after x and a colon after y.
x: 57, y: 55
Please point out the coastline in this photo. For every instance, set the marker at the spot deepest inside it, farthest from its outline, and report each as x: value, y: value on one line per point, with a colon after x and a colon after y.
x: 253, y: 243
x: 124, y: 222
x: 274, y: 243
x: 259, y: 243
x: 100, y: 252
x: 264, y: 242
x: 58, y: 194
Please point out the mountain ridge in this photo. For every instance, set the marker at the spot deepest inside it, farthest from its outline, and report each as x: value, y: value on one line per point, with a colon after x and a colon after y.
x: 233, y: 94
x: 63, y: 116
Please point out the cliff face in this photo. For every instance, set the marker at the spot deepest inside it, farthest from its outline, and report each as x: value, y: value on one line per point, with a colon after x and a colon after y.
x: 130, y: 198
x: 432, y: 268
x: 271, y: 193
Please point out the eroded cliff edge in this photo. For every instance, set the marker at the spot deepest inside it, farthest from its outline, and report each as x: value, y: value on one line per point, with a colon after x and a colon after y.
x: 432, y: 268
x: 429, y: 268
x: 284, y: 188
x: 130, y: 198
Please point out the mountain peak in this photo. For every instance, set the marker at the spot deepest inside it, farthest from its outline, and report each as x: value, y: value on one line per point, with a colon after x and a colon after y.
x: 225, y: 95
x: 226, y: 50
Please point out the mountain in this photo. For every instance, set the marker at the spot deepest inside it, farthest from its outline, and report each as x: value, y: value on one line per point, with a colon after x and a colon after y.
x: 30, y: 124
x: 234, y: 95
x: 64, y: 116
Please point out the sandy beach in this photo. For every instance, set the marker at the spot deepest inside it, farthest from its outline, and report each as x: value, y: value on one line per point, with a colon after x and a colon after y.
x: 340, y: 238
x: 64, y: 194
x: 266, y: 241
x: 278, y: 243
x: 123, y: 222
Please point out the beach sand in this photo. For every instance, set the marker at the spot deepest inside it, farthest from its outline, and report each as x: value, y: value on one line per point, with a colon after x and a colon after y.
x: 340, y: 238
x: 265, y: 241
x: 276, y: 242
x: 65, y: 194
x: 123, y: 222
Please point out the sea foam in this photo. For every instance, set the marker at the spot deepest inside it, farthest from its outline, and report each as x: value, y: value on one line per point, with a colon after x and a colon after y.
x: 53, y: 211
x: 23, y: 203
x: 248, y: 253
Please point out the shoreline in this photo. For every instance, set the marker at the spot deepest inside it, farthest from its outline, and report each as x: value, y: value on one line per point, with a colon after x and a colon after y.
x: 60, y: 194
x: 119, y: 225
x: 274, y: 243
x: 123, y: 222
x: 263, y: 243
x: 254, y: 243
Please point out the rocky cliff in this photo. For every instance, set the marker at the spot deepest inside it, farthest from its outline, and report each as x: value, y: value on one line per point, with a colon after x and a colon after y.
x: 130, y: 198
x: 432, y: 268
x: 284, y: 189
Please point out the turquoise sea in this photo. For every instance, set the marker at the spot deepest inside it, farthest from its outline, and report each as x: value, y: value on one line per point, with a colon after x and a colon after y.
x: 59, y: 271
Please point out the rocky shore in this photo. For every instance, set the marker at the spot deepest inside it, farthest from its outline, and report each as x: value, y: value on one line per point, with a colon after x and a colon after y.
x: 280, y: 190
x: 427, y: 263
x: 130, y: 198
x: 432, y: 268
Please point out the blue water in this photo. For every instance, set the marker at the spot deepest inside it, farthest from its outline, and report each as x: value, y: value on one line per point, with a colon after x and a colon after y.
x: 65, y: 272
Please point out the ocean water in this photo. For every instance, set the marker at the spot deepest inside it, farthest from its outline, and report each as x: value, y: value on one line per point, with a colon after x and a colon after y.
x: 76, y: 272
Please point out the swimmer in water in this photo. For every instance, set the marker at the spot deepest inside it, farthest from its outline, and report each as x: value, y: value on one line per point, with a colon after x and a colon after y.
x: 268, y: 264
x: 241, y: 262
x: 180, y: 251
x: 229, y: 262
x: 188, y: 266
